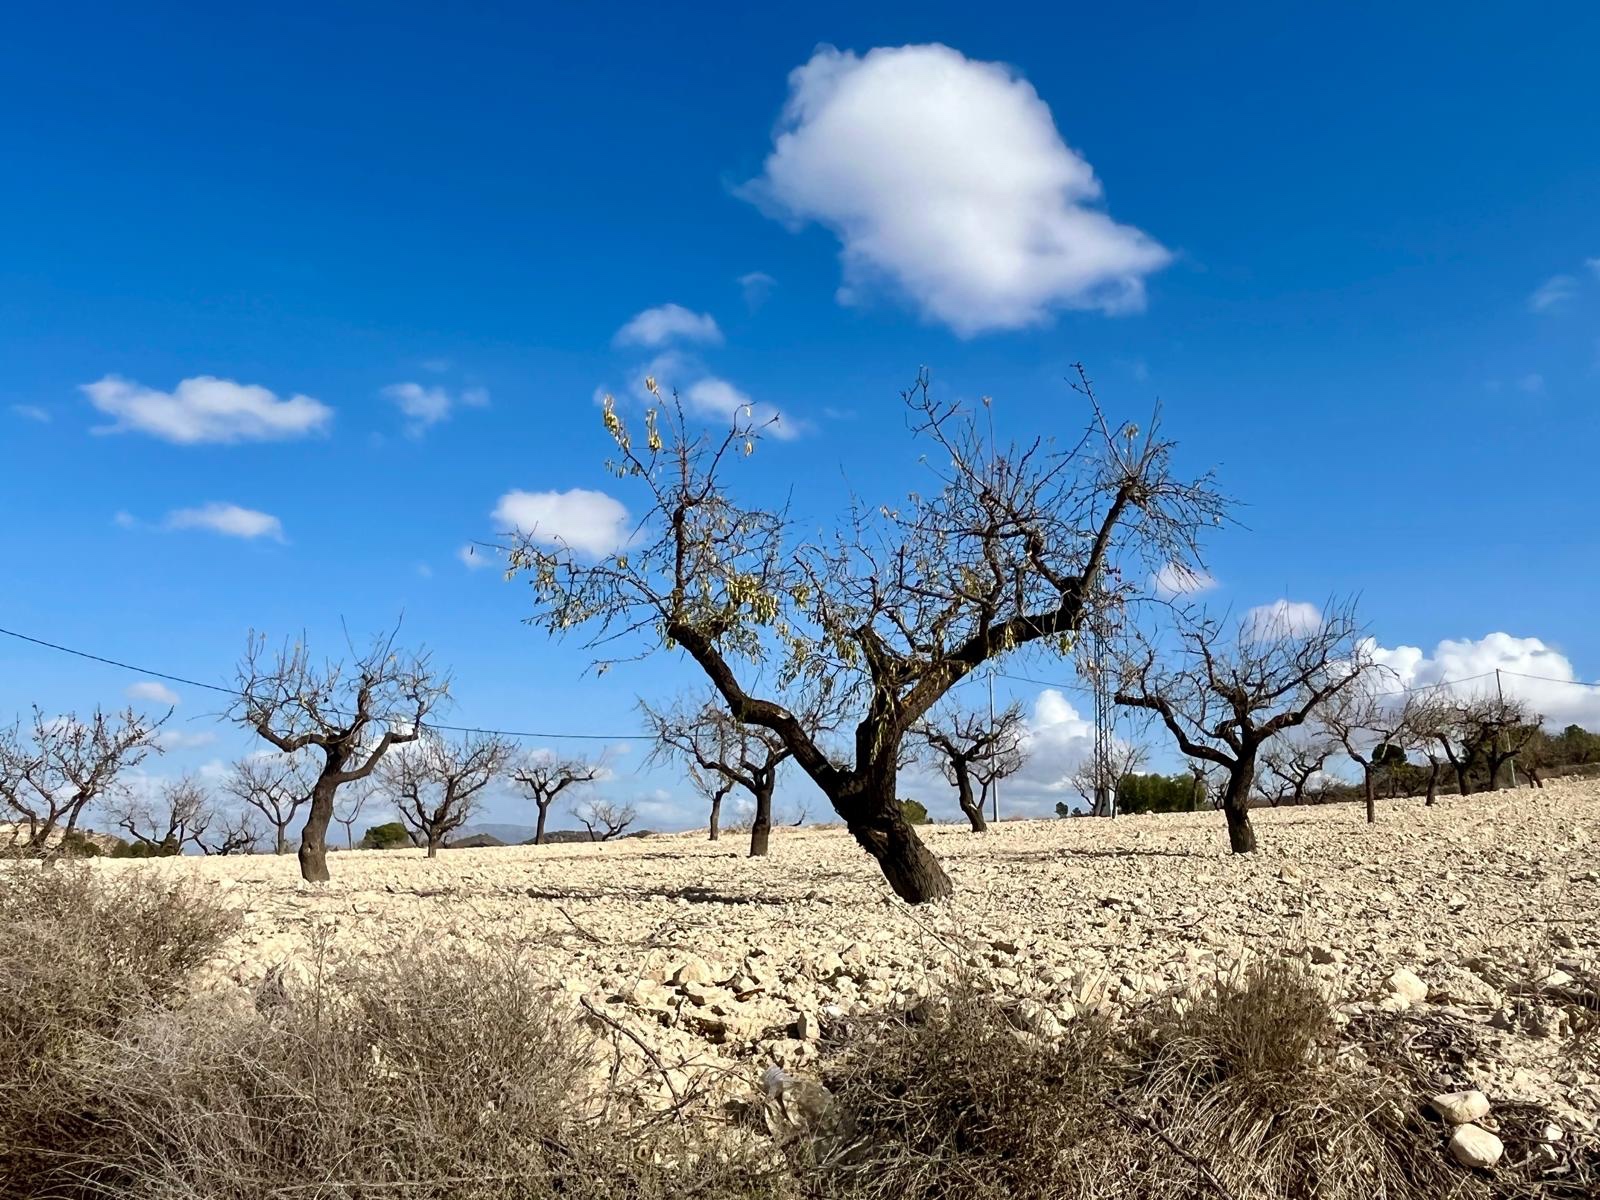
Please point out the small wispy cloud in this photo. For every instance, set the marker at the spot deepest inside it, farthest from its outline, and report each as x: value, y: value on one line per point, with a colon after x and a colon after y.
x: 31, y: 412
x: 230, y: 520
x: 1176, y: 579
x: 424, y: 406
x: 756, y: 286
x: 153, y: 691
x: 1553, y: 294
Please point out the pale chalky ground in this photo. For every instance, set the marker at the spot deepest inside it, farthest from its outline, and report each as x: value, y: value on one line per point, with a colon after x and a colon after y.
x: 1486, y: 907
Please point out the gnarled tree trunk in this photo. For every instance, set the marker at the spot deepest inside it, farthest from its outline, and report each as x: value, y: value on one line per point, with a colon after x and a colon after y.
x: 1433, y: 783
x: 971, y: 806
x: 538, y: 829
x: 1236, y: 808
x: 714, y: 825
x: 875, y: 819
x: 314, y: 836
x: 1372, y: 802
x: 761, y: 827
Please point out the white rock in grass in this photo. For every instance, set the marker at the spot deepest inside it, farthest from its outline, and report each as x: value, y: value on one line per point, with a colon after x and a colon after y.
x: 1405, y: 984
x: 1474, y: 1147
x: 1459, y: 1108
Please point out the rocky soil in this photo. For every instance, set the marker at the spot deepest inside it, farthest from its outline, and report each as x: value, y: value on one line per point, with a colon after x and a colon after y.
x: 1477, y: 921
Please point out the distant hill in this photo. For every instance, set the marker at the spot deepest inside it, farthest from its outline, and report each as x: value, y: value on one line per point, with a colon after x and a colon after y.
x: 503, y: 834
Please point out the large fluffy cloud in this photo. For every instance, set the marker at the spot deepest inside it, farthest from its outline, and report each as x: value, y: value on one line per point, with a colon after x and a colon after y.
x: 1529, y: 669
x: 205, y: 409
x: 947, y: 179
x: 588, y: 522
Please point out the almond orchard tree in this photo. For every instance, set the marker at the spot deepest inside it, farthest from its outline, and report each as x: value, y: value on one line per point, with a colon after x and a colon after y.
x: 348, y: 713
x: 721, y: 752
x: 1224, y: 695
x: 544, y: 776
x: 1370, y: 722
x: 278, y: 786
x: 53, y: 771
x: 1009, y: 547
x: 177, y: 815
x: 1292, y: 762
x: 973, y: 747
x: 436, y: 782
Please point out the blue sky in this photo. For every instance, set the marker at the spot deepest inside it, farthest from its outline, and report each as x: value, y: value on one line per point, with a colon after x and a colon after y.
x: 1354, y: 252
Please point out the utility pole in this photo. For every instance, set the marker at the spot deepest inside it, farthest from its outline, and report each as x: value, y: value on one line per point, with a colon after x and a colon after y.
x: 1505, y: 745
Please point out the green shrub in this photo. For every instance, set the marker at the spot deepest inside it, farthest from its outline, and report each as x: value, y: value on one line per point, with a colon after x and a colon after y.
x: 389, y: 836
x: 916, y: 812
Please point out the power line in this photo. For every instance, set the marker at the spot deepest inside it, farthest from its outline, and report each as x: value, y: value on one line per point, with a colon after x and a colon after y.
x: 226, y: 691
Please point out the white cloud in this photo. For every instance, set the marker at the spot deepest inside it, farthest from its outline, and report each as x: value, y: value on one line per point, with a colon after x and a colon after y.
x: 177, y: 739
x: 590, y: 523
x: 476, y: 557
x: 667, y: 323
x: 230, y: 520
x: 1469, y: 666
x: 123, y: 519
x: 1058, y: 740
x: 153, y: 691
x: 1281, y: 618
x: 1553, y: 293
x: 946, y: 178
x: 757, y: 286
x: 206, y: 409
x: 1532, y: 382
x: 31, y: 412
x: 423, y: 406
x: 1594, y: 266
x: 1176, y: 579
x: 708, y: 395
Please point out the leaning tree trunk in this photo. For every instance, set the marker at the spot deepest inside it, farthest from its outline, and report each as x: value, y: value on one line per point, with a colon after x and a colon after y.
x: 538, y: 831
x: 970, y: 806
x: 872, y: 813
x: 714, y: 825
x: 761, y: 827
x: 314, y: 837
x: 1236, y: 807
x: 1372, y: 804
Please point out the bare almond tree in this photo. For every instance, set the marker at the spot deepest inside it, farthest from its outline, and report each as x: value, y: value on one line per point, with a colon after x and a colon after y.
x: 1291, y: 763
x: 352, y: 800
x: 52, y: 771
x: 1098, y: 776
x: 278, y: 786
x: 1008, y: 547
x: 545, y: 776
x: 350, y: 713
x: 604, y: 819
x: 722, y: 752
x: 1225, y: 694
x: 231, y: 832
x: 973, y: 748
x: 176, y: 815
x: 436, y: 782
x: 1371, y: 722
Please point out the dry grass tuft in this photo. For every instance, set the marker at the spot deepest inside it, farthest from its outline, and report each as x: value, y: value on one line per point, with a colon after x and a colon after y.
x: 1238, y: 1094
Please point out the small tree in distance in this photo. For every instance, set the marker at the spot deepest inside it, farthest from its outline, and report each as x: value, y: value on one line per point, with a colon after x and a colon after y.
x: 544, y: 776
x: 1226, y: 695
x: 1012, y: 547
x: 604, y: 819
x: 176, y: 816
x: 1370, y: 722
x: 1291, y: 763
x: 436, y: 782
x: 974, y: 748
x: 350, y: 714
x: 351, y: 801
x: 278, y: 786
